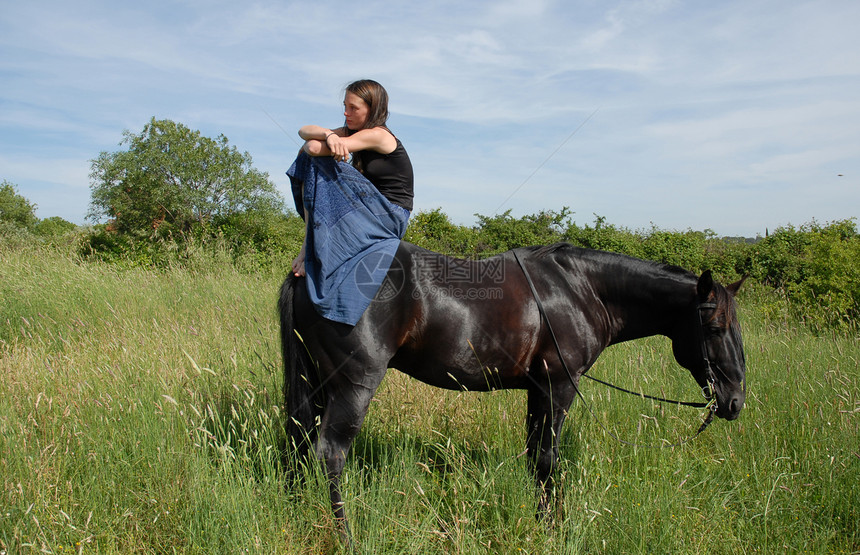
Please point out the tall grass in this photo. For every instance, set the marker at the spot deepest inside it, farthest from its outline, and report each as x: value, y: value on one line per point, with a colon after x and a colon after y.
x: 140, y: 411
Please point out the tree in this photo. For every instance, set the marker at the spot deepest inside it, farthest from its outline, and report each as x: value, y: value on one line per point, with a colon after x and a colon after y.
x: 173, y: 177
x: 54, y: 226
x: 16, y: 209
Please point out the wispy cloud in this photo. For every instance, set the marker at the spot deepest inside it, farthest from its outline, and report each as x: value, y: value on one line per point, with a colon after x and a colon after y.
x: 707, y: 111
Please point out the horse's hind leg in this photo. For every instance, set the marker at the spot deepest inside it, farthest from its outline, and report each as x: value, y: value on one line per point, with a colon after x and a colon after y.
x: 346, y: 408
x: 547, y: 409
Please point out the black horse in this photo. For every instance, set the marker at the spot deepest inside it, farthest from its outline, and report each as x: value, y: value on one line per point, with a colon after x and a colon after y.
x: 477, y: 326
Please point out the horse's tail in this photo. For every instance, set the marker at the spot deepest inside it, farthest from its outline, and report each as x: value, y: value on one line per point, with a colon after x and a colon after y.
x: 302, y: 388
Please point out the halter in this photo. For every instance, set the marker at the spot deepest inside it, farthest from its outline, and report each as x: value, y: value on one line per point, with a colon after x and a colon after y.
x: 708, y: 390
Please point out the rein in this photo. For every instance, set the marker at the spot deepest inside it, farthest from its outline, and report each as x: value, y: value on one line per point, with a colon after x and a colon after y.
x: 707, y: 391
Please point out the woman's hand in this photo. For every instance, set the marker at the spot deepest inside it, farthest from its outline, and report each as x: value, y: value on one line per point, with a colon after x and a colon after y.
x: 298, y: 264
x: 339, y: 150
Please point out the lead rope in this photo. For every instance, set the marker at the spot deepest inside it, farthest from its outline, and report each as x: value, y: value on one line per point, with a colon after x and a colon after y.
x: 709, y: 394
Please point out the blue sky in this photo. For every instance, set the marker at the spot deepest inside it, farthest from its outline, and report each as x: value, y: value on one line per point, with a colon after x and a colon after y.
x: 734, y: 116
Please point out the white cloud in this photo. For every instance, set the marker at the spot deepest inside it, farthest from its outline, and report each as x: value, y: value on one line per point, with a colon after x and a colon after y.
x: 694, y: 98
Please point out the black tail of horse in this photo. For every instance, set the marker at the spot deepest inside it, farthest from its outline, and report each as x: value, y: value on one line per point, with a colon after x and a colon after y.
x: 302, y: 389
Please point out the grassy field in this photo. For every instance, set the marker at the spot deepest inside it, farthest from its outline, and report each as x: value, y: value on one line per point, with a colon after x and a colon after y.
x: 140, y: 411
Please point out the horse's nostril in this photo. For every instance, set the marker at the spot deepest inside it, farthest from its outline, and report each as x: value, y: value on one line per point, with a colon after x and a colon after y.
x: 736, y: 405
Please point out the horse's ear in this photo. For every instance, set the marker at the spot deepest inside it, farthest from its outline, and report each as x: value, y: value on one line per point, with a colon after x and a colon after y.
x: 733, y: 288
x: 705, y: 285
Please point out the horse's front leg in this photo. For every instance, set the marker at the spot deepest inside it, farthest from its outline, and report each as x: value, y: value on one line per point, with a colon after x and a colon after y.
x: 547, y: 410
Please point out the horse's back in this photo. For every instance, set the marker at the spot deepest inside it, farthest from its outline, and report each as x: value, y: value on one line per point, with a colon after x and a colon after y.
x: 451, y: 322
x: 464, y: 323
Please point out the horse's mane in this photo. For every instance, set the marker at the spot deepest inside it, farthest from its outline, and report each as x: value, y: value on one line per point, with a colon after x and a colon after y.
x: 723, y: 297
x: 547, y: 251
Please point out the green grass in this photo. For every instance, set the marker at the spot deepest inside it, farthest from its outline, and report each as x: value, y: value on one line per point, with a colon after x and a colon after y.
x: 140, y: 411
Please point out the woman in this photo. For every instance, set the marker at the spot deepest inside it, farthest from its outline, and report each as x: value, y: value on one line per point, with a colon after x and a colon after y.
x: 355, y: 214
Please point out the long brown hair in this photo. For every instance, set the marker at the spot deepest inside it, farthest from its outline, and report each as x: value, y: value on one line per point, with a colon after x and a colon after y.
x: 376, y: 98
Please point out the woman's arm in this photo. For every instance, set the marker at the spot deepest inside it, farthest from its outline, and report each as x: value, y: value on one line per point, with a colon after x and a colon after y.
x: 311, y: 132
x: 320, y: 141
x: 378, y: 139
x: 316, y: 139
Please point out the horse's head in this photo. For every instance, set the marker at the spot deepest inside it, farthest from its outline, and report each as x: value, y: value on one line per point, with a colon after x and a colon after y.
x: 710, y: 346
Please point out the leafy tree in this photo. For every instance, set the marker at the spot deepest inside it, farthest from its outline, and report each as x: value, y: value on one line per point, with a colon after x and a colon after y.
x: 15, y: 209
x: 172, y: 178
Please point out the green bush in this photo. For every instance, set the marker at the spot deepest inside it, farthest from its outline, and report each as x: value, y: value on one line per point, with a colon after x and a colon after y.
x: 435, y: 231
x: 726, y: 257
x: 778, y: 259
x: 812, y: 270
x: 604, y: 237
x: 684, y: 249
x: 250, y: 241
x: 54, y: 227
x: 13, y: 237
x: 503, y: 232
x: 106, y: 244
x: 262, y: 239
x: 818, y: 269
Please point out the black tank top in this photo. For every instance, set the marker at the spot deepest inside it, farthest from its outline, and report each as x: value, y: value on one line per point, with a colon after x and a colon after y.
x: 390, y: 173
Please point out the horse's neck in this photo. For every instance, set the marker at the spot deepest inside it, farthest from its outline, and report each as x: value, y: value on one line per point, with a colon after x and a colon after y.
x: 645, y: 300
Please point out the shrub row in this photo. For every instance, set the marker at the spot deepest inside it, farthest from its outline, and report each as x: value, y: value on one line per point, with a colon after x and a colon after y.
x: 814, y: 267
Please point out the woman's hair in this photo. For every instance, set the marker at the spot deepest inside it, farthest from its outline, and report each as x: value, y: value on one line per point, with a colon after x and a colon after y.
x: 376, y: 98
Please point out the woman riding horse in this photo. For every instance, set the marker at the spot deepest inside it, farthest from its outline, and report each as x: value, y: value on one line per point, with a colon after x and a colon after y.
x: 355, y: 214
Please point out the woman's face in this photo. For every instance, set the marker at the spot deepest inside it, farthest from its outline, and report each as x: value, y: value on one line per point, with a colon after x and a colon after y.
x: 355, y: 110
